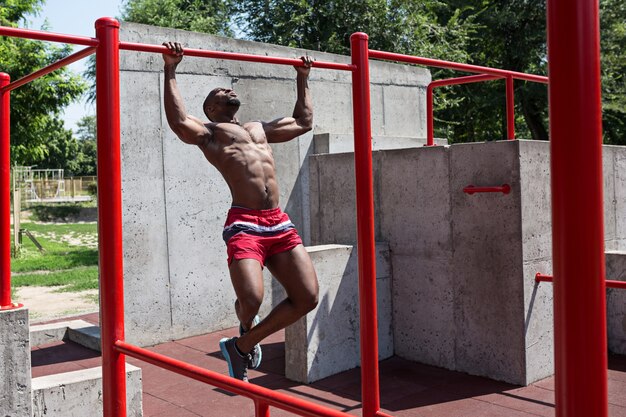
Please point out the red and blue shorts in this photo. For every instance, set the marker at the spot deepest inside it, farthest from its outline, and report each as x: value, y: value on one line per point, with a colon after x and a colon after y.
x: 258, y: 234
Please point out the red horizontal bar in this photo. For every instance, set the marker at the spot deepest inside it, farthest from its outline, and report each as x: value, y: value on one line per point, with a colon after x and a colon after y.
x: 50, y: 68
x: 465, y: 80
x: 456, y: 66
x: 504, y: 189
x: 235, y: 56
x: 609, y: 283
x: 252, y: 391
x: 47, y: 36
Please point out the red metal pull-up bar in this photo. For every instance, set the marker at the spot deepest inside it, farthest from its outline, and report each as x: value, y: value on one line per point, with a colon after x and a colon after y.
x: 504, y: 189
x: 47, y: 36
x: 159, y: 49
x: 539, y: 277
x: 52, y: 67
x: 430, y: 131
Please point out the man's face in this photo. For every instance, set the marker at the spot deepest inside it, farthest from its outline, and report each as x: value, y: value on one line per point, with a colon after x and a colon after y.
x: 220, y: 99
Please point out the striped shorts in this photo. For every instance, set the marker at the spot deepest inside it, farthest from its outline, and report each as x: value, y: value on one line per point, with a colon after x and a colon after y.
x: 258, y: 234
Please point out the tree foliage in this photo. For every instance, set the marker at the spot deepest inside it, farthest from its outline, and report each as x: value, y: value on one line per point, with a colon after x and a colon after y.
x: 37, y: 107
x: 613, y: 64
x: 208, y: 16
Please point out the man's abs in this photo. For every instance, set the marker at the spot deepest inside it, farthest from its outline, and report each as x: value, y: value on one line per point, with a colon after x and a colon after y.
x: 245, y: 160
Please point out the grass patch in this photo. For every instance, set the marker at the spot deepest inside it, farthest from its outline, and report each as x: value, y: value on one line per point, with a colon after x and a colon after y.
x: 70, y: 259
x: 66, y: 246
x: 72, y: 280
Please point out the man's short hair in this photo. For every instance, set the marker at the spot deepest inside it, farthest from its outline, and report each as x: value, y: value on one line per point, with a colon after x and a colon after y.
x: 207, y: 100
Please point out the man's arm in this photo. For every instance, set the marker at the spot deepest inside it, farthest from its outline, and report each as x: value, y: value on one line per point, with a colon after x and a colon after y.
x: 287, y: 128
x: 189, y: 129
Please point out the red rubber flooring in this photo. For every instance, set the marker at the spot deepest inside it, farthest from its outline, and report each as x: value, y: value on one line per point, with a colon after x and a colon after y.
x: 407, y: 388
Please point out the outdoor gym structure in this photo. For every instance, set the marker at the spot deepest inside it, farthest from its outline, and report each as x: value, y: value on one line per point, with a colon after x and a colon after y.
x: 577, y: 209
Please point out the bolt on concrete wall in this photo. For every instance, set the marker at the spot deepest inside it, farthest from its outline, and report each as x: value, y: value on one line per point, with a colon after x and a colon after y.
x: 174, y: 202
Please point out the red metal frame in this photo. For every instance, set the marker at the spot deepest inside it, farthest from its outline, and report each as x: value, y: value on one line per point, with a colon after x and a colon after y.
x: 430, y: 130
x: 5, y: 194
x: 580, y: 338
x: 578, y: 241
x: 50, y: 68
x: 609, y: 283
x: 471, y: 189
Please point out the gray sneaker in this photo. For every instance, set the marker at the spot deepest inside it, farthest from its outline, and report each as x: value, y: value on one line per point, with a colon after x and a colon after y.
x: 256, y: 354
x: 237, y: 364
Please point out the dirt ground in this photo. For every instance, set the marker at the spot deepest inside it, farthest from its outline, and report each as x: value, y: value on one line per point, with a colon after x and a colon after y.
x: 45, y: 304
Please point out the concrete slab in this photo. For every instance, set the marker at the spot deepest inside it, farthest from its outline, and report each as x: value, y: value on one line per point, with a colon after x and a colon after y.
x: 15, y: 384
x: 79, y: 393
x: 341, y: 143
x: 326, y: 340
x: 616, y: 303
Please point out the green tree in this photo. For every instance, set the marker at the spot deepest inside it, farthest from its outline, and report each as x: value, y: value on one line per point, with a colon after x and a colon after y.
x: 37, y: 107
x: 403, y: 26
x: 613, y: 64
x: 208, y: 16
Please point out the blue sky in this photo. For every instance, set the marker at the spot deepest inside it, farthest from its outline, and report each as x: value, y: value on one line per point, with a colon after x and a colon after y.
x: 75, y: 17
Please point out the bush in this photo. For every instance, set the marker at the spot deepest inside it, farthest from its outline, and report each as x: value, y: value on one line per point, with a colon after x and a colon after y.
x: 92, y: 189
x: 64, y: 212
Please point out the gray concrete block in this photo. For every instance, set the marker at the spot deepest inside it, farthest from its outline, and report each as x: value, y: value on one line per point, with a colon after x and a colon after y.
x: 341, y: 143
x: 326, y: 340
x: 616, y: 302
x: 538, y: 322
x: 487, y: 262
x: 400, y: 102
x: 79, y: 393
x: 536, y: 208
x: 423, y: 309
x: 333, y: 200
x: 88, y: 336
x: 620, y: 198
x: 15, y: 380
x: 609, y: 155
x: 42, y: 334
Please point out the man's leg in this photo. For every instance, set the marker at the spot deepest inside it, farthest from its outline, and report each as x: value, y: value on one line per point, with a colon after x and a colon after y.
x: 294, y: 270
x: 247, y: 279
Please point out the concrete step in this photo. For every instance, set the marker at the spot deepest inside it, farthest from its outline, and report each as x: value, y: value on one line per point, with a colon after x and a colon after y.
x: 77, y: 331
x: 324, y: 143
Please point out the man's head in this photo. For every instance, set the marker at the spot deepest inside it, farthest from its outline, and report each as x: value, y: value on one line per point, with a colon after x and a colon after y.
x: 221, y: 102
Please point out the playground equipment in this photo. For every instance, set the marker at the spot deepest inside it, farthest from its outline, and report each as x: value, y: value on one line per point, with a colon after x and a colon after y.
x: 577, y: 220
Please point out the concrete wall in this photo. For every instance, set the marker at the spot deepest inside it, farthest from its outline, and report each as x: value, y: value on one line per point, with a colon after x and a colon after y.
x: 326, y: 341
x: 463, y: 265
x: 176, y: 280
x: 15, y: 385
x: 616, y: 302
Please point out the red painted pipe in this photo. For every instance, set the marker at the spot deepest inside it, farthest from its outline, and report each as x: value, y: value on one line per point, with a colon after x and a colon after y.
x: 365, y: 224
x: 261, y: 395
x: 110, y: 217
x: 504, y: 189
x: 52, y: 67
x: 234, y: 56
x: 510, y: 108
x: 580, y: 338
x: 430, y: 131
x: 47, y: 36
x: 456, y: 66
x: 5, y: 193
x: 609, y: 283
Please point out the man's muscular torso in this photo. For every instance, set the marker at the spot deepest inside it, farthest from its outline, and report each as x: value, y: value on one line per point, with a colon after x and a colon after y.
x: 246, y: 161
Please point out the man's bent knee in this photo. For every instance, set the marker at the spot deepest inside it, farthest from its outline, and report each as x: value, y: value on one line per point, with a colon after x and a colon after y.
x: 307, y: 303
x: 249, y: 306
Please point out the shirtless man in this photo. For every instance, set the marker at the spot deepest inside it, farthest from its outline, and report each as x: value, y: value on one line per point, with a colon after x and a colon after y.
x: 257, y: 232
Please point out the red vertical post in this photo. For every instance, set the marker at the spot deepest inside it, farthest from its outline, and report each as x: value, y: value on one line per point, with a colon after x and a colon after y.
x: 5, y: 193
x: 365, y: 223
x: 430, y: 129
x: 577, y: 216
x: 110, y: 217
x: 510, y: 108
x: 261, y: 409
